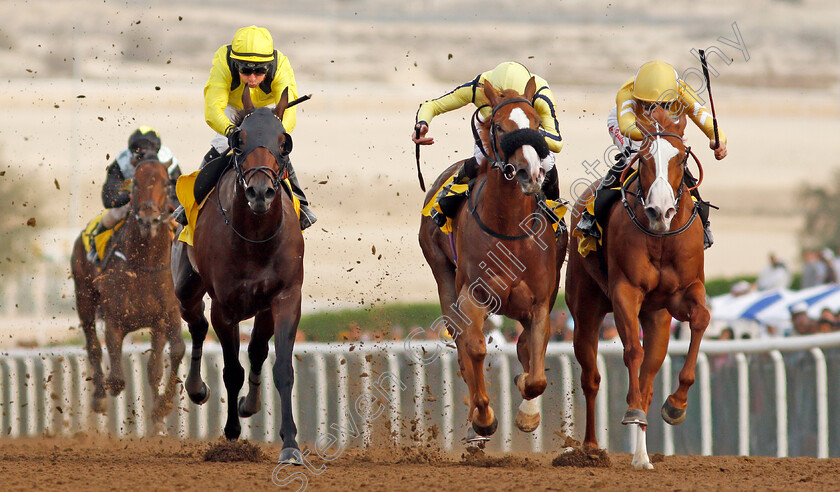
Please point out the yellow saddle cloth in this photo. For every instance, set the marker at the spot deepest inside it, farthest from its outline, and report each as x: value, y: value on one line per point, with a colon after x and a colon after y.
x: 450, y: 189
x: 588, y: 244
x: 100, y: 241
x: 184, y: 190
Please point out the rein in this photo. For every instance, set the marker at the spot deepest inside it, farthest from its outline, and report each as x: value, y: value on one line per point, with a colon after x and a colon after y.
x: 638, y: 196
x: 489, y: 231
x: 506, y: 169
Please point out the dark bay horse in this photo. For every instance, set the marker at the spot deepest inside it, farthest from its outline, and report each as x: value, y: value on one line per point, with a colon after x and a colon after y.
x: 653, y: 253
x: 504, y: 257
x: 248, y: 252
x: 133, y: 289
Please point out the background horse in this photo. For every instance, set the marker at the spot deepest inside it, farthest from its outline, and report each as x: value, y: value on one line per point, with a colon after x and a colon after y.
x: 653, y: 253
x: 133, y: 289
x: 248, y: 252
x: 508, y: 259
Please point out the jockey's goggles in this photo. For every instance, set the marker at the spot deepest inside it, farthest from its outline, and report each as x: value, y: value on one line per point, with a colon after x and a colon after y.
x: 248, y: 68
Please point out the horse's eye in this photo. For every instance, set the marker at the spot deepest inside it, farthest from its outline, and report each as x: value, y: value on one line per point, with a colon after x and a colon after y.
x: 498, y: 127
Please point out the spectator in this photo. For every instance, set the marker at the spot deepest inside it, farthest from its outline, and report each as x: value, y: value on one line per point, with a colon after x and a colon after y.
x: 827, y: 258
x: 802, y: 324
x: 740, y: 288
x: 608, y: 328
x: 825, y: 324
x: 726, y: 334
x: 813, y: 270
x: 774, y: 276
x: 560, y: 330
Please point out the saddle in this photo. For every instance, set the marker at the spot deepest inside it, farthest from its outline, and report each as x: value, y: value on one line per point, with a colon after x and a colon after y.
x: 98, y: 241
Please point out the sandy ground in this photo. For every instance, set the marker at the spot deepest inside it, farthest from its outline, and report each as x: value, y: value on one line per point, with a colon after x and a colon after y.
x: 163, y: 464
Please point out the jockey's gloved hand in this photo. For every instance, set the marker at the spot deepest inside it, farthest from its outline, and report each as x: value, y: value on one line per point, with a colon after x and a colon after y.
x: 418, y: 135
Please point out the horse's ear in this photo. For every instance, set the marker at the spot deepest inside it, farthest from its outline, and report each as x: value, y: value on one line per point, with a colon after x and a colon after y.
x: 530, y: 89
x: 681, y: 125
x: 247, y: 104
x: 491, y: 94
x: 282, y: 104
x: 285, y: 142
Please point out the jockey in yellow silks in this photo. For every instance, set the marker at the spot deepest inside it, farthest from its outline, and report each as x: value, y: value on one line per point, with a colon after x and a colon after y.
x: 251, y: 61
x: 656, y: 82
x: 507, y: 75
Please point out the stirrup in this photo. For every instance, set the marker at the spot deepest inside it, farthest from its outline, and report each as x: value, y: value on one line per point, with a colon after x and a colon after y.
x: 587, y: 225
x: 708, y: 238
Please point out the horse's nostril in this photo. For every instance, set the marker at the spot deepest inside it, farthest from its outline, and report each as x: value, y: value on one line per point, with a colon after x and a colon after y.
x: 269, y: 194
x: 250, y: 193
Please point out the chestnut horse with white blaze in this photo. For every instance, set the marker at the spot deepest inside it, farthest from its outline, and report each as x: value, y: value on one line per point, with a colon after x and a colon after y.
x: 503, y: 256
x: 652, y: 249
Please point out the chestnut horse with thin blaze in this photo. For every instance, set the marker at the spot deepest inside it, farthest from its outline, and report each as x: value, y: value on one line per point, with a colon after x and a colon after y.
x: 494, y: 267
x: 652, y: 249
x: 248, y: 252
x: 132, y: 290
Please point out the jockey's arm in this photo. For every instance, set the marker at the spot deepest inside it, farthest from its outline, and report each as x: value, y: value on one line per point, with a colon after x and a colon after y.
x: 547, y: 109
x: 217, y: 93
x: 626, y: 107
x: 115, y: 192
x: 694, y: 109
x: 459, y: 97
x: 283, y: 78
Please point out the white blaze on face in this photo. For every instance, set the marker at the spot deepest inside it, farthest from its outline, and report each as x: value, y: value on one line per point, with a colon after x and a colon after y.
x: 660, y: 194
x: 521, y: 119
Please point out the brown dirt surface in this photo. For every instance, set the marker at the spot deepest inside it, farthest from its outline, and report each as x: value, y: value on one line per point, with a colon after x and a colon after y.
x: 225, y: 451
x: 581, y: 458
x: 96, y: 463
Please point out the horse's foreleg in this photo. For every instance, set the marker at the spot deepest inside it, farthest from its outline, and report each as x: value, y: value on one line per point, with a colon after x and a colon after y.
x: 227, y: 331
x: 114, y: 336
x: 656, y: 326
x: 177, y: 348
x: 286, y: 312
x: 189, y: 290
x: 94, y: 350
x: 154, y: 369
x: 626, y: 302
x: 693, y: 307
x: 257, y: 353
x: 532, y: 382
x: 471, y: 351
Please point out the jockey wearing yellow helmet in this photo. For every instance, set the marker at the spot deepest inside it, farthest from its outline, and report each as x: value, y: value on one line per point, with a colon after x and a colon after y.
x: 249, y: 61
x: 656, y: 83
x: 506, y: 75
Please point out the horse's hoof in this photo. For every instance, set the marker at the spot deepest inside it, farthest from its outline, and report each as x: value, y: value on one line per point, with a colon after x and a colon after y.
x: 634, y: 416
x: 527, y: 422
x: 242, y: 411
x: 474, y: 439
x: 202, y: 396
x: 671, y: 414
x: 486, y: 430
x: 290, y: 456
x: 232, y: 433
x: 115, y: 385
x: 643, y: 465
x: 99, y: 405
x: 158, y: 429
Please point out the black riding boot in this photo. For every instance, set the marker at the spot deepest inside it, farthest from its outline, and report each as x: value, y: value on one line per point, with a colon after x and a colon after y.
x: 307, y: 218
x: 550, y: 186
x: 702, y: 210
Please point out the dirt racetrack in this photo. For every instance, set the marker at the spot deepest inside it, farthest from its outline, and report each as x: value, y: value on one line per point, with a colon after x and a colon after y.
x: 94, y: 463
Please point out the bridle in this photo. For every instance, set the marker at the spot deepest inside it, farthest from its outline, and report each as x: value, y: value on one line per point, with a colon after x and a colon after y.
x: 508, y: 170
x: 163, y: 214
x: 640, y: 199
x: 243, y: 178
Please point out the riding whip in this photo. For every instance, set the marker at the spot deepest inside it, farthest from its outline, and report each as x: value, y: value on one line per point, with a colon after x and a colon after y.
x: 299, y: 100
x: 417, y: 157
x: 711, y: 101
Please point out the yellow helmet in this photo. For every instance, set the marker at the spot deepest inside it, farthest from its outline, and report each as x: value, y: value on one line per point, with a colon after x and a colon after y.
x: 252, y: 44
x: 656, y: 81
x: 145, y: 138
x: 507, y: 74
